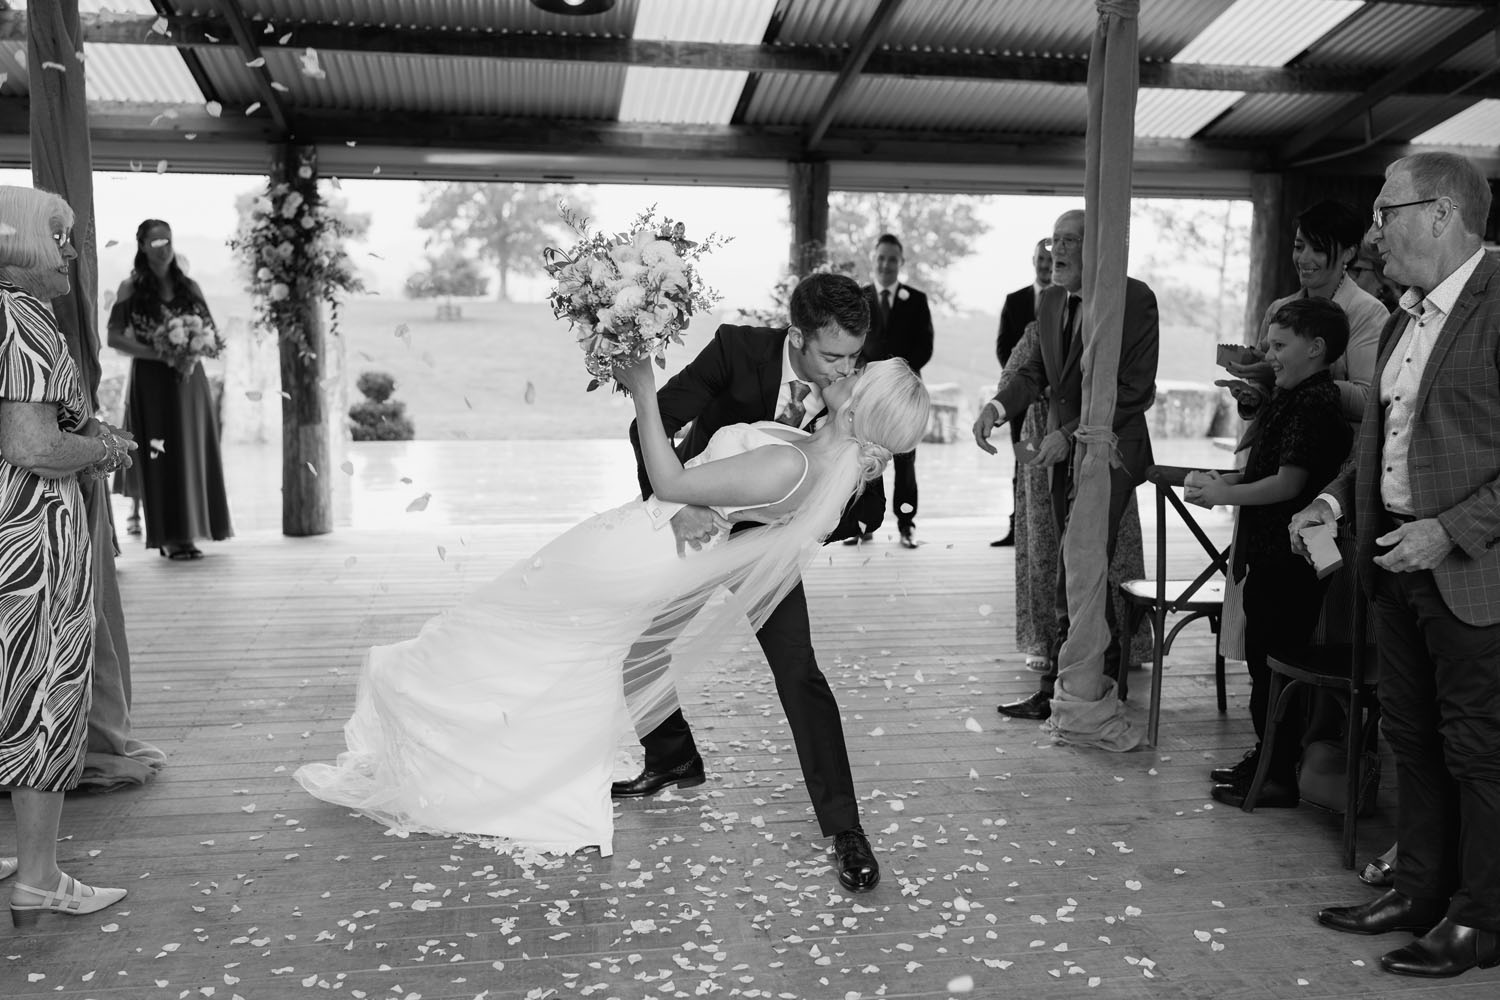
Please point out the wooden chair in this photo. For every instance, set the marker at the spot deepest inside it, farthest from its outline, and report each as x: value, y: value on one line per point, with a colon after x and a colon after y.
x: 1347, y: 671
x: 1160, y: 597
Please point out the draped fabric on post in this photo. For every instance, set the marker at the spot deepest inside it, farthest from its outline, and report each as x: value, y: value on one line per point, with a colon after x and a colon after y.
x: 1085, y: 709
x: 62, y: 161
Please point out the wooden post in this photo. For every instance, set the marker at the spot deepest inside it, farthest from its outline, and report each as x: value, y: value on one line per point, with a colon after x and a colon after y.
x: 306, y: 495
x: 1268, y: 252
x: 808, y: 180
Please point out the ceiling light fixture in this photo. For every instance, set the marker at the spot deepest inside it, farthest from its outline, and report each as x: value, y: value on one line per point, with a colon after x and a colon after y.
x: 574, y: 8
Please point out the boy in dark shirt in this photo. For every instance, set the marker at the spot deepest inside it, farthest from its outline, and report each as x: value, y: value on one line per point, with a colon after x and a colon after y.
x: 1302, y: 440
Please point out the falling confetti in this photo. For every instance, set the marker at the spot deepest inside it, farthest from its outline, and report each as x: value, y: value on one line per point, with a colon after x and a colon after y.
x: 419, y: 504
x: 530, y: 394
x: 214, y: 109
x: 310, y: 67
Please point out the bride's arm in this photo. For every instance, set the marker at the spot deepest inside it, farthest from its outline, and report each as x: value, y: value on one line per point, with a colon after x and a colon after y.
x: 762, y: 475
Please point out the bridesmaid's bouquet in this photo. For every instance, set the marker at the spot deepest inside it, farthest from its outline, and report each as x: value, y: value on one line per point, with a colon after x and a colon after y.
x: 628, y: 294
x: 183, y: 340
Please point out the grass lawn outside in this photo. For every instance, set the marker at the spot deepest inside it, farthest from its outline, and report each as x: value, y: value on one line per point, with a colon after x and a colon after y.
x: 512, y: 371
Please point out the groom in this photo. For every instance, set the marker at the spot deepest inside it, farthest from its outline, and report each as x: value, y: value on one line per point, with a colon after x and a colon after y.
x: 747, y: 374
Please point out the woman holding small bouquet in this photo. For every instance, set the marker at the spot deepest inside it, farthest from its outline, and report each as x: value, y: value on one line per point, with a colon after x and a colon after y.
x: 503, y: 716
x: 161, y: 320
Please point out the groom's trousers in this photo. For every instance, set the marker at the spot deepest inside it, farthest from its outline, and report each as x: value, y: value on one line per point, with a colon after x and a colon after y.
x: 811, y: 712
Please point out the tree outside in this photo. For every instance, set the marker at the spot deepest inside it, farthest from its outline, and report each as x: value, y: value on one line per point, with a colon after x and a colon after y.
x: 448, y: 273
x: 504, y: 225
x: 935, y: 232
x: 1196, y: 256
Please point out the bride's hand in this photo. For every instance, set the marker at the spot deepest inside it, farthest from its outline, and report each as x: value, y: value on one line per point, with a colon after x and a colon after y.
x: 636, y: 377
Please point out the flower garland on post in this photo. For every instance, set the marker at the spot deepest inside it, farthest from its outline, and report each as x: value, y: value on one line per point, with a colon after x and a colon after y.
x: 293, y: 248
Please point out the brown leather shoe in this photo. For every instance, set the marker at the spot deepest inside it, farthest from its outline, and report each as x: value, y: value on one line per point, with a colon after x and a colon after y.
x: 688, y: 774
x: 1390, y: 911
x: 1447, y: 950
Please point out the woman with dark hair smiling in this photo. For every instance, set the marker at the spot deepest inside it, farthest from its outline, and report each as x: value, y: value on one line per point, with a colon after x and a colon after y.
x: 180, y: 478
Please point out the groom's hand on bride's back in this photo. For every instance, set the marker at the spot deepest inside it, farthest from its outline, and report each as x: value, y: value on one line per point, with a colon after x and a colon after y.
x: 696, y: 526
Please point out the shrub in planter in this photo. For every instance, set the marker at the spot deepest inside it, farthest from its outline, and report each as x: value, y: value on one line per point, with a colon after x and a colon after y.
x: 378, y: 417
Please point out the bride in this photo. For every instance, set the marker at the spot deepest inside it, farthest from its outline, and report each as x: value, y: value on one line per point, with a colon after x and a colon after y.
x: 502, y: 717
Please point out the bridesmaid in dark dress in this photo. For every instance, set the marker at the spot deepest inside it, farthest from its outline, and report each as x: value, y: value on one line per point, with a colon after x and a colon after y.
x: 179, y: 476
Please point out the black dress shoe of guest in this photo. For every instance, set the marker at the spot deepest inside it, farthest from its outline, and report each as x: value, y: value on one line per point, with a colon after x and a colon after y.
x: 1448, y: 949
x: 1273, y: 794
x: 1245, y: 769
x: 1390, y: 911
x: 907, y: 541
x: 688, y: 774
x: 858, y: 869
x: 1038, y: 707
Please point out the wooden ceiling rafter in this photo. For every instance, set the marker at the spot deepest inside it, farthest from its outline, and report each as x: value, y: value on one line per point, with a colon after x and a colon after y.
x: 255, y: 61
x: 190, y: 58
x: 854, y: 64
x: 193, y: 32
x: 1393, y: 83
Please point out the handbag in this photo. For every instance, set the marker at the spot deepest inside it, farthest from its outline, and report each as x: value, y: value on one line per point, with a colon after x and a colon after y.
x: 1321, y: 777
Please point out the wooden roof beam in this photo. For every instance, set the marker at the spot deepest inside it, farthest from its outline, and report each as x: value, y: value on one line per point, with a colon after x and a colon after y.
x: 1393, y: 83
x: 190, y: 60
x: 255, y: 60
x: 212, y: 32
x: 868, y: 41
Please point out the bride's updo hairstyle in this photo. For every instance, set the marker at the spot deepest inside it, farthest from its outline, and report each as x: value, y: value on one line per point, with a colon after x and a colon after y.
x: 890, y: 407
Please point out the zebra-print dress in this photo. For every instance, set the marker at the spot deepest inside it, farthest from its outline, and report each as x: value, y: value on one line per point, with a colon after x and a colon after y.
x: 46, y: 569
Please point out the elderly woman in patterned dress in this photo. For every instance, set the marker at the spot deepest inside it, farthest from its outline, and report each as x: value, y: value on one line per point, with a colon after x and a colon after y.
x: 47, y: 440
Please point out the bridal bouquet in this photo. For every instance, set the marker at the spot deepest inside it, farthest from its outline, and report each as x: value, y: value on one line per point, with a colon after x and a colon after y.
x: 183, y: 339
x: 628, y: 294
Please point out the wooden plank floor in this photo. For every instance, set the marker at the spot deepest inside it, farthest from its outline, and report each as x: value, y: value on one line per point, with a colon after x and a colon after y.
x: 1012, y: 867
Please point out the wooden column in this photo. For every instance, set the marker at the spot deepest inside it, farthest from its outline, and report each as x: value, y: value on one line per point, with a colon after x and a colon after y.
x: 306, y: 500
x: 808, y: 180
x: 1268, y: 259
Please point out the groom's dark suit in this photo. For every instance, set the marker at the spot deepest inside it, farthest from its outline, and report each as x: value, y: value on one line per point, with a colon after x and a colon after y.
x: 735, y: 379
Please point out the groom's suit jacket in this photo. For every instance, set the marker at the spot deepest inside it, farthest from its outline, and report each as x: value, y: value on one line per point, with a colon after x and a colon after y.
x: 1453, y: 463
x: 734, y: 380
x: 1057, y: 366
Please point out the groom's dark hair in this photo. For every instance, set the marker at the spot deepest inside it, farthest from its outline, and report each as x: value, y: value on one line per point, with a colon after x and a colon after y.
x: 823, y: 298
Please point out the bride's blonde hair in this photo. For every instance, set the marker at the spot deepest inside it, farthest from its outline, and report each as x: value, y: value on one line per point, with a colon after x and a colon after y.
x: 889, y: 408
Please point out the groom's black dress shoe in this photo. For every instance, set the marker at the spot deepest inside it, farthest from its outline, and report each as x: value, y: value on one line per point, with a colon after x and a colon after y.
x: 858, y: 869
x: 688, y: 774
x: 1448, y: 949
x: 1037, y: 707
x: 1390, y: 911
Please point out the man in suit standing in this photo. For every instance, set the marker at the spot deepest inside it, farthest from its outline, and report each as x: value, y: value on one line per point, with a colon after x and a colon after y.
x: 1057, y: 367
x: 1422, y: 492
x: 900, y: 327
x: 1018, y: 313
x: 747, y: 374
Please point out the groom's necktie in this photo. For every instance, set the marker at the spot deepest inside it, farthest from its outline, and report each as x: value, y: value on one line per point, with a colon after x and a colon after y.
x: 792, y: 413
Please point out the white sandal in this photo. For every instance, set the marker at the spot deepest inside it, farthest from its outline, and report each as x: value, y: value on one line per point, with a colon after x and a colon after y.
x: 8, y: 867
x: 71, y: 897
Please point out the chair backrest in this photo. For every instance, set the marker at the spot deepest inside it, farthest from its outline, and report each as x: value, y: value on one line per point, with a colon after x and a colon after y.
x: 1168, y: 479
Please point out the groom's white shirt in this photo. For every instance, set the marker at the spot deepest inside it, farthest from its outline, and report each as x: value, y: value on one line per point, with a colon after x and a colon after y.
x: 812, y: 402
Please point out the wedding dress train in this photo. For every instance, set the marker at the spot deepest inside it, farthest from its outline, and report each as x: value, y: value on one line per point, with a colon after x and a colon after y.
x: 502, y: 717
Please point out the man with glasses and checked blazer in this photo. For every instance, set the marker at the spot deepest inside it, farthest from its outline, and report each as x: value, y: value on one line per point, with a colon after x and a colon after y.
x: 1422, y: 494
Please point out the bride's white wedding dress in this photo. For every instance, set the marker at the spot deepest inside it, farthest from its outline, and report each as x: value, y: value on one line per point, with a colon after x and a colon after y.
x: 503, y: 716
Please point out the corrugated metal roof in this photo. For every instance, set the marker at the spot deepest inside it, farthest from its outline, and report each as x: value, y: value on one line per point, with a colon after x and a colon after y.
x: 1384, y: 35
x: 457, y: 86
x: 115, y: 7
x: 137, y: 73
x: 1265, y: 32
x: 1479, y: 125
x: 963, y: 106
x: 1261, y: 115
x: 455, y: 15
x: 1179, y: 114
x: 705, y: 96
x: 1023, y: 27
